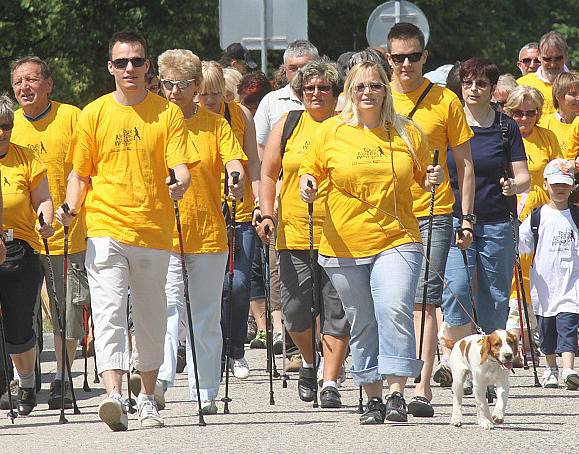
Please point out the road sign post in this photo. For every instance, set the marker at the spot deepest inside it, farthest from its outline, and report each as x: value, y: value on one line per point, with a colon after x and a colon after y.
x: 386, y: 15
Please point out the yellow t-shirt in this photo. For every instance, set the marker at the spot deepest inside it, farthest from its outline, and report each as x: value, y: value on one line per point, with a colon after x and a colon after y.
x: 573, y: 150
x: 563, y: 131
x: 21, y: 174
x: 49, y: 138
x: 357, y: 161
x: 441, y: 117
x: 546, y: 89
x: 202, y: 221
x: 127, y: 150
x: 244, y: 208
x: 293, y: 222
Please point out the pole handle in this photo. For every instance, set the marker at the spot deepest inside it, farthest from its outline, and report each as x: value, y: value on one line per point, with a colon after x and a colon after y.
x: 65, y: 208
x: 172, y: 178
x: 435, y: 158
x: 235, y: 176
x: 310, y: 184
x: 41, y: 219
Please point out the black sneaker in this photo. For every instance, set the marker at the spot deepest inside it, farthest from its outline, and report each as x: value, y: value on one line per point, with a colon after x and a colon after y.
x: 181, y: 359
x: 374, y: 413
x: 420, y: 407
x: 396, y: 408
x: 26, y: 400
x: 56, y: 393
x: 330, y: 398
x: 307, y: 384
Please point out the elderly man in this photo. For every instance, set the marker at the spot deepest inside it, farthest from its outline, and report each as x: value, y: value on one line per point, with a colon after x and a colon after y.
x: 46, y: 126
x: 553, y: 53
x: 529, y: 60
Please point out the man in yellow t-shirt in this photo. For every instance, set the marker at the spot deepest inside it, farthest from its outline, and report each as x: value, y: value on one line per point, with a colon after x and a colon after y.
x: 46, y: 127
x: 121, y: 150
x: 553, y: 53
x: 441, y: 117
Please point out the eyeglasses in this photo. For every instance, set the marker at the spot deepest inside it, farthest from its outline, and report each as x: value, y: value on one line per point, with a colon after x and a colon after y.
x: 310, y: 89
x: 122, y: 63
x: 401, y: 58
x: 6, y: 127
x: 552, y: 59
x: 373, y: 87
x: 528, y: 61
x: 524, y: 113
x: 181, y: 84
x: 482, y: 84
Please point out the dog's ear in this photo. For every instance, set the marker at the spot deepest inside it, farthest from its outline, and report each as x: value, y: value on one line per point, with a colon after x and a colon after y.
x: 485, y: 348
x: 513, y: 341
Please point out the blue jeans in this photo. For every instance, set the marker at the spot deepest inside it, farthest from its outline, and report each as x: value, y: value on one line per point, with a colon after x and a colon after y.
x: 379, y: 301
x: 239, y: 301
x: 492, y: 254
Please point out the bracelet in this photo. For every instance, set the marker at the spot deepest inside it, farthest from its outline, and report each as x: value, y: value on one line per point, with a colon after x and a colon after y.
x: 266, y: 216
x: 256, y: 208
x: 468, y: 229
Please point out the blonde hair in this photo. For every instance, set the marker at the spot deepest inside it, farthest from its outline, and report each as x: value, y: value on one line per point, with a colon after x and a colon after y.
x: 563, y: 84
x: 388, y: 117
x: 232, y: 78
x: 213, y: 79
x: 182, y: 61
x: 521, y: 94
x: 506, y: 82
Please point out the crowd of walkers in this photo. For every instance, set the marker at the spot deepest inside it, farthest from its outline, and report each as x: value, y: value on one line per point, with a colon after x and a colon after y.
x: 339, y: 210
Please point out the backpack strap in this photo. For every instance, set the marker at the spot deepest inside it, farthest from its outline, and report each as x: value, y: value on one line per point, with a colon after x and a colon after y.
x: 227, y: 114
x: 535, y: 221
x: 291, y: 121
x: 506, y: 145
x: 419, y: 100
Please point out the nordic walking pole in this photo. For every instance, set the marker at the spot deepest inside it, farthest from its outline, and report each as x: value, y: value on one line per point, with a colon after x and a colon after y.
x: 131, y: 403
x: 284, y: 375
x: 229, y: 306
x: 268, y: 324
x: 11, y: 413
x: 509, y: 174
x: 85, y: 386
x: 427, y: 267
x: 173, y: 180
x: 96, y: 375
x: 360, y: 401
x: 61, y: 322
x: 521, y: 325
x: 315, y: 295
x: 468, y: 280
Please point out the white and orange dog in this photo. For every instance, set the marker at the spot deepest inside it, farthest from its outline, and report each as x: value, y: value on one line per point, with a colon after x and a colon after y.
x: 490, y: 360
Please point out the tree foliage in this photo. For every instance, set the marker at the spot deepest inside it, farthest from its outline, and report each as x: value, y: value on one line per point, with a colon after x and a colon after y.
x: 73, y: 34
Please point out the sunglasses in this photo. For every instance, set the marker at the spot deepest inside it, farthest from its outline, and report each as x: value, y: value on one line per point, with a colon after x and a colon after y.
x: 528, y: 61
x: 6, y: 127
x: 374, y: 87
x: 482, y: 84
x: 122, y: 63
x: 181, y: 84
x: 552, y: 59
x: 310, y: 89
x: 524, y: 113
x: 401, y: 58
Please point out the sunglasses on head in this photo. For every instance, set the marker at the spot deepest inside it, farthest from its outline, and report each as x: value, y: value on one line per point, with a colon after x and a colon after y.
x: 401, y: 58
x: 122, y: 63
x: 528, y: 61
x: 6, y: 127
x: 181, y: 84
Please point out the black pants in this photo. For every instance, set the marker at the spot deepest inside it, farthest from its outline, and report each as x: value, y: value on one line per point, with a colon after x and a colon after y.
x: 20, y: 283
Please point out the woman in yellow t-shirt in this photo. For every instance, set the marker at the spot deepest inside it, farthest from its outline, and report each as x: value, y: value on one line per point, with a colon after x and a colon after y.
x: 203, y: 228
x: 211, y: 96
x: 370, y: 245
x: 317, y: 84
x: 25, y: 196
x: 524, y: 105
x: 566, y: 101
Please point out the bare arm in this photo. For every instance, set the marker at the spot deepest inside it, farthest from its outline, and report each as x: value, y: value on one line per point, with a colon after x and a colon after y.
x: 42, y: 203
x: 466, y: 185
x: 236, y: 190
x: 250, y: 149
x: 76, y: 189
x: 521, y: 181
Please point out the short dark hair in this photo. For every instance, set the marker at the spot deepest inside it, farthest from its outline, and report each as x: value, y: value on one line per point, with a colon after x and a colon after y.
x: 127, y: 36
x: 405, y: 31
x: 477, y: 67
x: 44, y: 69
x: 453, y: 80
x: 253, y: 87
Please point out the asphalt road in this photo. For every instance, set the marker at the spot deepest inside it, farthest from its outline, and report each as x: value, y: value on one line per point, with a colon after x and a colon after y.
x: 538, y: 420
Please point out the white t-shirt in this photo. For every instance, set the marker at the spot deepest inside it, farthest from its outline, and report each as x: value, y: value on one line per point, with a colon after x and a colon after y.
x: 555, y: 271
x: 271, y: 108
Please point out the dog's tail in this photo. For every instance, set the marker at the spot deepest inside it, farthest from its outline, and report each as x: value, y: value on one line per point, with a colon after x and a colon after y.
x: 444, y: 340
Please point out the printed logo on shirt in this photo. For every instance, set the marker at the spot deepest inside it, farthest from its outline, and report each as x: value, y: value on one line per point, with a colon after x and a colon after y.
x: 370, y: 155
x: 37, y: 148
x: 306, y: 145
x: 5, y: 182
x: 126, y: 138
x: 563, y: 240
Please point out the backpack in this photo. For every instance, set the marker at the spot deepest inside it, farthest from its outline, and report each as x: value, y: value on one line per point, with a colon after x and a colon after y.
x: 536, y: 220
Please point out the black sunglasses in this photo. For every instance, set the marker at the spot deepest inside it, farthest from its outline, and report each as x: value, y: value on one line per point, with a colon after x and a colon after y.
x: 181, y: 84
x: 122, y: 63
x: 400, y: 58
x: 6, y: 127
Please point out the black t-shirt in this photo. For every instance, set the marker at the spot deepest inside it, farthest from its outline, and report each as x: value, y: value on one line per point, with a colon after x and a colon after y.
x: 489, y: 159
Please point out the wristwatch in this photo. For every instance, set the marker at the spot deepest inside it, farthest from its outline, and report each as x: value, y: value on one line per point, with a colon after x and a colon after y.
x: 470, y: 218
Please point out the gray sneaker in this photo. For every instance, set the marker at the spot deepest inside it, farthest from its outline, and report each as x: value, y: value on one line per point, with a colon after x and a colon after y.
x: 149, y: 415
x: 113, y: 412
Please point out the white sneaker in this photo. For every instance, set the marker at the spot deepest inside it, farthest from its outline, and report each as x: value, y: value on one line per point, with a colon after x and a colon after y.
x: 208, y: 407
x: 149, y: 415
x: 550, y: 377
x: 113, y: 412
x: 571, y: 379
x: 239, y: 367
x: 160, y: 395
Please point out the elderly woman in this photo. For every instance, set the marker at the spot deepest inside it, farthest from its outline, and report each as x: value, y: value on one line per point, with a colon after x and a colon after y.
x: 566, y: 101
x: 25, y: 197
x: 317, y: 84
x: 204, y: 231
x: 524, y: 105
x: 211, y: 96
x: 370, y: 245
x: 491, y: 254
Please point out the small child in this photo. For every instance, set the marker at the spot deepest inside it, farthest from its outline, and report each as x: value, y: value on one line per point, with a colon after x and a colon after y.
x: 555, y: 274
